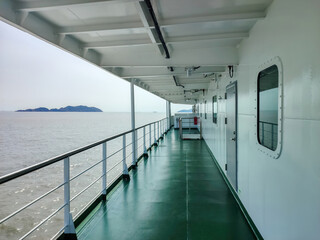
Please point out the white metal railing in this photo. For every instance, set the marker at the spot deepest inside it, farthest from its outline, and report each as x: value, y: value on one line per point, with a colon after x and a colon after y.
x: 146, y: 136
x: 189, y: 123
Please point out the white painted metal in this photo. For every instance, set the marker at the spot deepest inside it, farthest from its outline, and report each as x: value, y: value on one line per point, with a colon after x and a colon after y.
x: 154, y: 134
x: 150, y: 135
x: 124, y: 156
x: 231, y: 133
x: 277, y: 193
x: 104, y: 169
x: 197, y: 34
x: 133, y: 125
x: 68, y: 222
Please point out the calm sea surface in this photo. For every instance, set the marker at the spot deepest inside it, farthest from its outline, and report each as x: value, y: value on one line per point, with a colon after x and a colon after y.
x: 29, y: 138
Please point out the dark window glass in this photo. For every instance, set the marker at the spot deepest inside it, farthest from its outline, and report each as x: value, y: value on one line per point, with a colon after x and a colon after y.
x: 268, y: 81
x: 214, y: 109
x: 205, y: 109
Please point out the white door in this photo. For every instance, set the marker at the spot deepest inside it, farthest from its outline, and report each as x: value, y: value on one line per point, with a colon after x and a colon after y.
x: 231, y: 131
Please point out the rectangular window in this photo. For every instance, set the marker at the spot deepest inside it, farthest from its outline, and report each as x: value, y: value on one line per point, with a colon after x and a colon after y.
x: 214, y: 109
x: 205, y: 109
x: 268, y: 82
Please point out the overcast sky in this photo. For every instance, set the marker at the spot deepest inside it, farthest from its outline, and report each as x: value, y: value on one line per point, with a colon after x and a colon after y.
x: 34, y: 74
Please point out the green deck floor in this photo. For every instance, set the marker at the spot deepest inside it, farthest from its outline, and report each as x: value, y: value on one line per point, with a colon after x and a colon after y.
x: 177, y: 193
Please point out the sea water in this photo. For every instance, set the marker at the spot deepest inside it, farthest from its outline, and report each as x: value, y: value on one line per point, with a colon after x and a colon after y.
x: 27, y: 138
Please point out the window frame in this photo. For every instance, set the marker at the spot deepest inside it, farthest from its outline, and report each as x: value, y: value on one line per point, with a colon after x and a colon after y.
x: 205, y: 109
x: 277, y: 152
x: 214, y: 119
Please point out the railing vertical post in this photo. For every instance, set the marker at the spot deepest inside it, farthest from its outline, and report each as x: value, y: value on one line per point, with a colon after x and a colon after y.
x: 145, y: 153
x: 200, y: 122
x: 158, y: 130
x: 180, y: 127
x: 125, y: 172
x: 104, y: 170
x: 154, y: 134
x: 271, y: 135
x: 262, y: 140
x: 150, y: 135
x: 68, y: 222
x: 133, y: 126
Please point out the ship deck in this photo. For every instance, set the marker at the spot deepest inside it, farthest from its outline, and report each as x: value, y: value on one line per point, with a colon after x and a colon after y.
x: 176, y: 193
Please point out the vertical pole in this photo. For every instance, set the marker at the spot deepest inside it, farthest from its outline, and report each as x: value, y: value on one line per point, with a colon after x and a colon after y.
x: 200, y: 122
x: 145, y: 154
x: 125, y: 172
x: 150, y: 135
x: 104, y: 170
x: 133, y: 126
x: 68, y: 222
x: 272, y: 136
x: 169, y: 106
x: 167, y: 114
x: 262, y: 140
x: 180, y: 127
x: 154, y: 134
x: 158, y: 130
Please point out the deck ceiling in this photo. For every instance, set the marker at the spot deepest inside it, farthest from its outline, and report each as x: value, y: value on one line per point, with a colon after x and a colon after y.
x: 121, y: 37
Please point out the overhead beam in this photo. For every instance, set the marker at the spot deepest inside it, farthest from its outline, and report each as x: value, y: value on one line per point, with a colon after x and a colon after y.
x: 167, y: 75
x: 118, y: 43
x: 40, y: 5
x: 214, y: 18
x: 164, y: 24
x: 174, y: 40
x: 158, y: 66
x: 101, y: 27
x: 148, y: 19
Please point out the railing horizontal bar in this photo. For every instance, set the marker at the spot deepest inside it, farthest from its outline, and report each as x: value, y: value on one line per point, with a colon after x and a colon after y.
x: 42, y: 222
x: 58, y: 158
x: 114, y: 153
x: 86, y: 206
x: 115, y: 165
x: 31, y: 203
x: 128, y: 145
x: 91, y: 201
x: 58, y: 233
x: 79, y: 193
x: 85, y: 170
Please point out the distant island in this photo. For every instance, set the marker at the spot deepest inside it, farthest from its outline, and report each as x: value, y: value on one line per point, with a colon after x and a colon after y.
x: 185, y: 111
x: 63, y: 109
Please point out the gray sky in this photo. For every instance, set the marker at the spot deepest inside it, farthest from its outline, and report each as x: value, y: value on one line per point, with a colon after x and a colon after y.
x: 34, y: 74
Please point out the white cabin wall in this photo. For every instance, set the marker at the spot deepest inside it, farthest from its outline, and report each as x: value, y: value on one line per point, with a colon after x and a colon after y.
x: 281, y: 195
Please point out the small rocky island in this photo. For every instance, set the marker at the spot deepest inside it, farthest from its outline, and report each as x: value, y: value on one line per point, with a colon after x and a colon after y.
x: 64, y: 109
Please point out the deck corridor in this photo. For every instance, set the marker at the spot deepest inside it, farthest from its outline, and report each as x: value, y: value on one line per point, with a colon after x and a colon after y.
x: 177, y: 193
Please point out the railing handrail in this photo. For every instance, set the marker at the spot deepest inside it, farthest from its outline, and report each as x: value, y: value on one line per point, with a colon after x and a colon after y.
x: 37, y: 166
x: 268, y: 123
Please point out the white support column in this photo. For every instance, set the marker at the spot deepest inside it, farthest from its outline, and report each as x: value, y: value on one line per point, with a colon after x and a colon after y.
x: 104, y: 171
x: 68, y: 222
x: 133, y: 126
